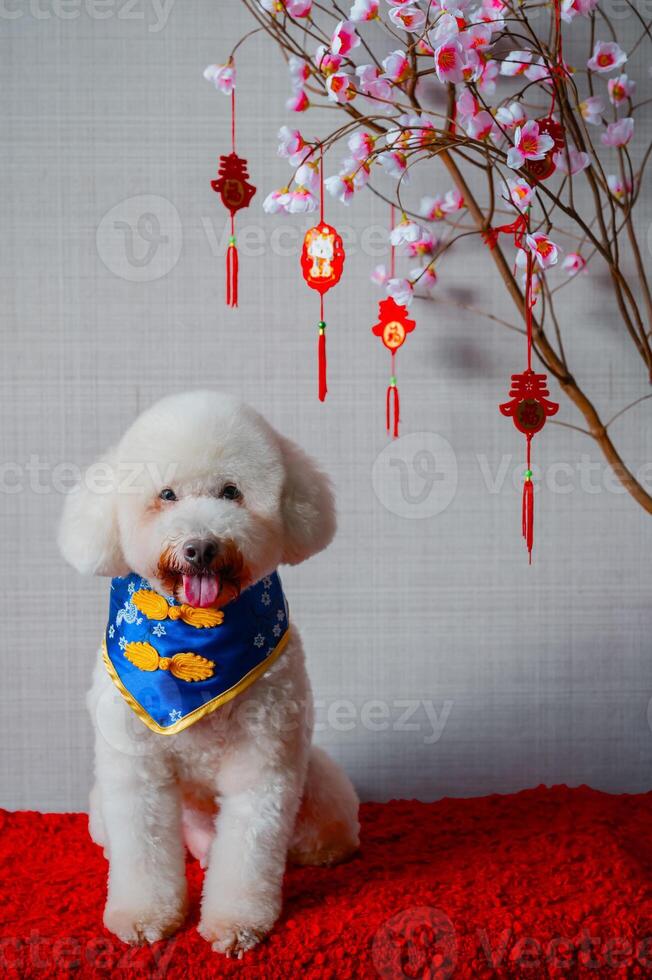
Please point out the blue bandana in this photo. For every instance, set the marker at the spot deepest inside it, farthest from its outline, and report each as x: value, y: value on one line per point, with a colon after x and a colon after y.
x: 174, y: 663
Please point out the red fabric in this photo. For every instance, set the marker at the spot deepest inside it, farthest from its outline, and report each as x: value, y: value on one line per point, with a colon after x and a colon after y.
x: 504, y: 877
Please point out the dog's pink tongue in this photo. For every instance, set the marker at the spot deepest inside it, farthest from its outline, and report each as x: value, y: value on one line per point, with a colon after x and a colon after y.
x: 201, y: 590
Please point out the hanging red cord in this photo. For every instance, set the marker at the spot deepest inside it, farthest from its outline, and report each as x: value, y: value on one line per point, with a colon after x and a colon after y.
x: 393, y: 327
x: 233, y: 186
x: 528, y: 407
x: 322, y: 262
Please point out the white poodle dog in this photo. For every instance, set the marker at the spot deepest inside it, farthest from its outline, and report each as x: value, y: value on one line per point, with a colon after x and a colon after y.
x: 198, y: 504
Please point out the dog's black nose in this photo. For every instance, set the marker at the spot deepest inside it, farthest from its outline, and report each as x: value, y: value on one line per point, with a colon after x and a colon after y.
x: 200, y: 552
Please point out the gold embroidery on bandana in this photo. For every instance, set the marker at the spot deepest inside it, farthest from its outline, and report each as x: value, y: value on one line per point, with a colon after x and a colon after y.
x: 184, y: 666
x: 154, y: 606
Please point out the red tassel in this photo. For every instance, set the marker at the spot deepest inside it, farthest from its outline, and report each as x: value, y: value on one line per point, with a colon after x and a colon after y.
x: 232, y: 274
x: 321, y: 350
x: 528, y: 515
x: 392, y: 402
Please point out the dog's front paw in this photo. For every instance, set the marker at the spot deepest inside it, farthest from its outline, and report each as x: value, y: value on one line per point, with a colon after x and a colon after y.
x: 231, y: 938
x: 137, y: 925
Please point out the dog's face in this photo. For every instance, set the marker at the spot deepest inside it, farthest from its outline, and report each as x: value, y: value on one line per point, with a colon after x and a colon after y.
x: 202, y: 498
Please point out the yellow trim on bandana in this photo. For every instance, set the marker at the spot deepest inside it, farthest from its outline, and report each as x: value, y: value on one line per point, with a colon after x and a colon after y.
x: 204, y: 709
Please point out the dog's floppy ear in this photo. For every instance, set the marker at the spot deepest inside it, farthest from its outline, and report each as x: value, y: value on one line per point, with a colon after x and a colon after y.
x: 307, y: 505
x: 88, y: 535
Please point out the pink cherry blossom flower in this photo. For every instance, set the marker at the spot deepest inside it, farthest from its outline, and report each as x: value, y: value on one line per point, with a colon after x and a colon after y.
x: 572, y: 8
x: 536, y: 285
x: 406, y: 232
x: 298, y: 8
x: 344, y: 38
x: 379, y: 275
x: 422, y: 47
x: 327, y: 62
x: 511, y: 115
x: 397, y: 67
x: 487, y: 81
x: 453, y: 201
x: 538, y: 71
x: 222, y: 77
x: 372, y: 83
x: 394, y: 163
x: 481, y: 126
x: 407, y: 18
x: 416, y: 131
x: 341, y: 187
x: 606, y: 57
x: 425, y: 245
x: 361, y: 145
x: 446, y: 28
x: 301, y: 201
x: 477, y: 37
x: 529, y: 144
x: 618, y: 133
x: 307, y: 175
x: 573, y: 263
x: 433, y: 208
x: 450, y: 62
x: 570, y: 160
x: 515, y: 63
x: 619, y: 189
x: 363, y: 10
x: 292, y: 146
x: 493, y: 7
x: 520, y: 193
x: 340, y: 87
x: 545, y: 252
x: 401, y: 291
x: 298, y: 101
x: 491, y: 13
x: 467, y: 105
x: 356, y: 171
x: 620, y: 88
x: 592, y: 109
x: 276, y: 201
x: 424, y: 280
x: 299, y: 72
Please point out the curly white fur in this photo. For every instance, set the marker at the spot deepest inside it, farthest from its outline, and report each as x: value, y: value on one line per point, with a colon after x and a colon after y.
x: 243, y: 786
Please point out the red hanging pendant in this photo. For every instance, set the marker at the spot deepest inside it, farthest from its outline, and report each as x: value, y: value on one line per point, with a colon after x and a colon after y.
x: 529, y: 407
x: 393, y: 327
x: 542, y: 169
x: 233, y: 186
x: 322, y: 262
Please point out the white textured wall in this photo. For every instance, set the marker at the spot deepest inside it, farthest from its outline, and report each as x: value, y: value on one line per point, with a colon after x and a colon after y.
x: 543, y: 674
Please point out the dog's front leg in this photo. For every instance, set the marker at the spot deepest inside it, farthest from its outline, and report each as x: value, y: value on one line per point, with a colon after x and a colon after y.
x: 141, y: 813
x: 242, y: 889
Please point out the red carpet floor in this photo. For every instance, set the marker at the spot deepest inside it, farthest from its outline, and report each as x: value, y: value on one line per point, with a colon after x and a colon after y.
x: 548, y: 882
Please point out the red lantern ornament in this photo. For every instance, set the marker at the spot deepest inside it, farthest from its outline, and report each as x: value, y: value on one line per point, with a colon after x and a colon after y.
x: 393, y: 327
x: 233, y: 186
x: 322, y: 262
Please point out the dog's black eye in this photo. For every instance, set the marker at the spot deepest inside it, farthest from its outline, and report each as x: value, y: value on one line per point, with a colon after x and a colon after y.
x: 230, y: 492
x: 167, y: 494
